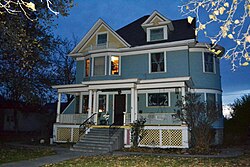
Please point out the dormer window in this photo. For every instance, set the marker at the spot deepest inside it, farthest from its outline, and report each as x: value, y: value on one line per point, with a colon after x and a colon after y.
x: 157, y: 33
x: 102, y: 39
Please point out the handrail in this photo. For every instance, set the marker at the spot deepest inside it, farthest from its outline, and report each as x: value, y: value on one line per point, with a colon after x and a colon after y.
x: 83, y: 127
x: 113, y: 129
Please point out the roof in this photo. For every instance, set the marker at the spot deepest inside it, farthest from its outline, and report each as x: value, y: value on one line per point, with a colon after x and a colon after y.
x: 134, y: 34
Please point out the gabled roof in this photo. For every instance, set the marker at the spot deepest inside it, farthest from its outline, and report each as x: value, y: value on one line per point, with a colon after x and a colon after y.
x: 163, y: 20
x: 135, y: 35
x: 92, y: 31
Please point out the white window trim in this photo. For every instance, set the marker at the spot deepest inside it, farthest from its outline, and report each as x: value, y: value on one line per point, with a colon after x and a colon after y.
x: 165, y: 33
x: 168, y: 92
x: 165, y: 62
x: 100, y: 33
x: 92, y: 66
x: 119, y: 65
x: 203, y: 64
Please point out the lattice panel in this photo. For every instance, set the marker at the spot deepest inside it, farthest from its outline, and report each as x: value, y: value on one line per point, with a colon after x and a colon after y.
x: 75, y: 135
x: 151, y: 137
x: 171, y: 137
x: 63, y: 134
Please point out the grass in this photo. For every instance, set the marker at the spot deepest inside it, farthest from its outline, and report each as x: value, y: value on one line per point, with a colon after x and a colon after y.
x: 153, y: 161
x: 14, y: 153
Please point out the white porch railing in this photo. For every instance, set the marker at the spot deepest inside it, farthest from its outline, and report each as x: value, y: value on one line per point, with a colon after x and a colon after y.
x: 72, y: 118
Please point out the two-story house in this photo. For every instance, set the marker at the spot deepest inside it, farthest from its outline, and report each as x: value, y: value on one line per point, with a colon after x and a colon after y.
x: 141, y: 69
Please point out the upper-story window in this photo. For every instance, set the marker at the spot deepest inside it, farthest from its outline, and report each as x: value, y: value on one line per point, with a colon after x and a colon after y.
x: 102, y: 39
x: 114, y: 65
x: 157, y: 62
x: 87, y: 67
x: 99, y: 66
x: 157, y: 33
x: 208, y: 62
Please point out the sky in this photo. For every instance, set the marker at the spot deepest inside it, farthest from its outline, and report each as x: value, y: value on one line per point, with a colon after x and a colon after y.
x: 118, y: 13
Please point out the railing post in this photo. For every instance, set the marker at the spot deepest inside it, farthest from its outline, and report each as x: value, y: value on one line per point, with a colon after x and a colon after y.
x: 58, y: 108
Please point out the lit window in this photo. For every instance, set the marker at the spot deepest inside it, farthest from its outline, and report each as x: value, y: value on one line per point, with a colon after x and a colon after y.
x: 208, y: 62
x: 87, y: 67
x: 102, y: 103
x: 156, y: 34
x: 101, y: 39
x: 114, y: 66
x: 157, y: 62
x: 158, y: 99
x: 99, y: 66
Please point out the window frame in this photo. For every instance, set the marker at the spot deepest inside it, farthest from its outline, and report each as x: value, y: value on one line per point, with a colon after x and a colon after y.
x: 101, y: 33
x: 167, y: 92
x: 93, y: 66
x: 165, y: 62
x: 165, y: 33
x: 119, y: 68
x: 204, y: 66
x: 85, y: 67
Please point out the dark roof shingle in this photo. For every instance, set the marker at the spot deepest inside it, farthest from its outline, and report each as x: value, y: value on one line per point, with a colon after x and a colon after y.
x: 134, y: 34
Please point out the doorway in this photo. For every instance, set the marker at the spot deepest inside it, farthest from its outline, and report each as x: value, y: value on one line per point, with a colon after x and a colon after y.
x: 119, y: 108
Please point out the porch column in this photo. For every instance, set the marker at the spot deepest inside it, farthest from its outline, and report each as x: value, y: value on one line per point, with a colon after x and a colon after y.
x: 95, y: 106
x: 90, y: 103
x: 132, y: 105
x: 80, y: 103
x: 136, y: 104
x: 58, y: 107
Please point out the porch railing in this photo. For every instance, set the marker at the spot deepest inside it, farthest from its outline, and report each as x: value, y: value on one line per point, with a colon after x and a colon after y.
x: 72, y: 118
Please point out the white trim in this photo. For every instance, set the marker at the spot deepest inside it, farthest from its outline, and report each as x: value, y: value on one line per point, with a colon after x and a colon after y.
x: 203, y: 64
x: 176, y: 79
x: 206, y: 91
x: 198, y: 50
x: 112, y: 86
x: 157, y: 92
x: 72, y: 90
x: 113, y: 109
x: 132, y: 80
x: 161, y: 85
x: 67, y: 86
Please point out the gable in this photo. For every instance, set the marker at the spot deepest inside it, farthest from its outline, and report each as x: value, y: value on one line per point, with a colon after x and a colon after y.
x: 89, y: 41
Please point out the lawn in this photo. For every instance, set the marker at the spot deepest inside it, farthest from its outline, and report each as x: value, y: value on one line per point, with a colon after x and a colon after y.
x: 14, y: 153
x: 153, y: 161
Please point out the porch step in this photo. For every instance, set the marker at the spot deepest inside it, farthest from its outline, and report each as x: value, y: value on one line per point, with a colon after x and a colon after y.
x: 100, y: 140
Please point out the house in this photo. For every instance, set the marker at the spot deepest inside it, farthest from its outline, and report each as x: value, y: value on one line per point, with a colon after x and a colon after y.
x: 139, y: 70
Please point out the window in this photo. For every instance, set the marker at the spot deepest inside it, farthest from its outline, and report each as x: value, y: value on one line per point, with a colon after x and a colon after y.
x: 102, y: 103
x: 114, y: 66
x: 208, y: 62
x: 157, y: 62
x: 211, y: 99
x: 156, y: 34
x: 102, y: 39
x: 87, y: 67
x: 158, y: 99
x: 99, y: 65
x: 85, y: 103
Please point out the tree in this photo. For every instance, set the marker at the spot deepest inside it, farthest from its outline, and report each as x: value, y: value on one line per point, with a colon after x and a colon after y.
x: 199, y: 116
x: 15, y: 7
x: 227, y: 20
x: 25, y: 51
x: 63, y: 65
x: 237, y: 128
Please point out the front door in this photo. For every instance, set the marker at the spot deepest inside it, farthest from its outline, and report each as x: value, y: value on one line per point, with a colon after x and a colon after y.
x: 119, y: 108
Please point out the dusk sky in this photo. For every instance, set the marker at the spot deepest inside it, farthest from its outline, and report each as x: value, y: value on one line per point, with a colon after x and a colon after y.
x: 118, y: 13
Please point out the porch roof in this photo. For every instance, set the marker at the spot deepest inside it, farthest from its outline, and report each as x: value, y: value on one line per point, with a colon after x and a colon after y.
x: 125, y: 84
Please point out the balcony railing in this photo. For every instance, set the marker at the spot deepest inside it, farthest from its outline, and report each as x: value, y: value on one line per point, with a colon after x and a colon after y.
x: 72, y: 118
x: 108, y: 45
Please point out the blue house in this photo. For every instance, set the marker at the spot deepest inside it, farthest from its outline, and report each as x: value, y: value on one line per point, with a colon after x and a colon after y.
x: 139, y: 70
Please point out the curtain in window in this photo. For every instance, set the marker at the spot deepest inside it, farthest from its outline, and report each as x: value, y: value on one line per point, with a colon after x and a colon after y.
x: 157, y: 62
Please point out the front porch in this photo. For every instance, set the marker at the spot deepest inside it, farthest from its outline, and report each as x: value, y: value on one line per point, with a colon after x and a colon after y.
x: 120, y: 103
